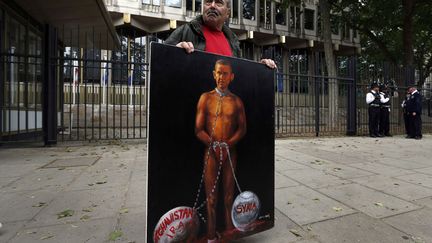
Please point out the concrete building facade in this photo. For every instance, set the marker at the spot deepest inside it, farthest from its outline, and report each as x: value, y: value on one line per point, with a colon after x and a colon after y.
x: 261, y: 25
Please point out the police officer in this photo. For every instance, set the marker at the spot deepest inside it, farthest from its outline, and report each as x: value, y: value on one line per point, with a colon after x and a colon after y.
x: 373, y: 99
x: 414, y: 109
x: 384, y: 124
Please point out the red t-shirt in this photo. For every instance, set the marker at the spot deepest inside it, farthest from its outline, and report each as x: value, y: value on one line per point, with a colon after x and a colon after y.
x: 216, y: 42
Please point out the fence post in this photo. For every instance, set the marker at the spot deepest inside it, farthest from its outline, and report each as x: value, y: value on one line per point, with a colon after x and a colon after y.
x: 49, y: 112
x: 352, y: 98
x: 317, y: 92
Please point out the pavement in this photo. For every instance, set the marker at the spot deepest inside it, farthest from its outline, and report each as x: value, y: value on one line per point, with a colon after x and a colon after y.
x: 328, y: 190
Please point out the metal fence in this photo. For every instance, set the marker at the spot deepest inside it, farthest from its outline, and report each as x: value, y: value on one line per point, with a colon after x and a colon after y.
x: 103, y: 91
x: 308, y: 105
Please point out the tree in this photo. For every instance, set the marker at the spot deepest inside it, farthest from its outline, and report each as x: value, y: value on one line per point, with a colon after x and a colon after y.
x: 387, y: 27
x: 330, y: 59
x: 324, y: 7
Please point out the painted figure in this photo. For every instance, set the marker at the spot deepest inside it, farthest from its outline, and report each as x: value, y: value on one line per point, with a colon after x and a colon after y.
x: 220, y: 124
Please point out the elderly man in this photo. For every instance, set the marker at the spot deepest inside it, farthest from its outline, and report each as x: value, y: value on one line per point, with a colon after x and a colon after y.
x: 208, y: 32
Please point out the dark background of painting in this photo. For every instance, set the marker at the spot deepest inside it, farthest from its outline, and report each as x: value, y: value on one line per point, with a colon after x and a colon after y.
x: 176, y: 157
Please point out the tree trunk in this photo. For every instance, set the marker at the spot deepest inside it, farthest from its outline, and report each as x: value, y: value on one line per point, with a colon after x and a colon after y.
x: 408, y: 36
x: 324, y: 7
x: 407, y: 40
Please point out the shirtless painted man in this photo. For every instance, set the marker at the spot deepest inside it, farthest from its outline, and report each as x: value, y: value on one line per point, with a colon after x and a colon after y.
x: 220, y: 123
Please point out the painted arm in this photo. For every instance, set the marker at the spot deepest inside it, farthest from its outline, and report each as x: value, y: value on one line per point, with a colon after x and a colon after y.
x: 241, y: 128
x: 200, y: 121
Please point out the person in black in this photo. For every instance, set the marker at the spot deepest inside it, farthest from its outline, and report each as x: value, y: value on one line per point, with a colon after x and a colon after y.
x: 406, y: 114
x: 373, y: 99
x: 414, y: 109
x: 384, y: 124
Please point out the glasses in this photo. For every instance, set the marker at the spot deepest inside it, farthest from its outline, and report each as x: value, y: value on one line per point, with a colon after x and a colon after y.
x: 219, y: 3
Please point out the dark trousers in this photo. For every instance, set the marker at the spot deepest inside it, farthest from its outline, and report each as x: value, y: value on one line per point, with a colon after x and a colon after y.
x: 407, y: 124
x: 374, y: 114
x: 415, y: 123
x: 384, y: 124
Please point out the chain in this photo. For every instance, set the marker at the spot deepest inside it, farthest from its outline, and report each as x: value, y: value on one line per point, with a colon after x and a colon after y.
x: 232, y: 169
x: 221, y: 95
x: 214, y: 145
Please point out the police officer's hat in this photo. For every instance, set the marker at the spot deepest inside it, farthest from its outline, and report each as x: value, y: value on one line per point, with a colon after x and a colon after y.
x: 374, y: 85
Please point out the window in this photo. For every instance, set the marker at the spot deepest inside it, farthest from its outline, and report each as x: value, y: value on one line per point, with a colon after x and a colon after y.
x: 249, y: 9
x: 189, y: 5
x: 309, y: 16
x: 294, y: 18
x: 173, y: 3
x: 151, y: 2
x: 334, y: 22
x: 235, y: 8
x: 280, y: 14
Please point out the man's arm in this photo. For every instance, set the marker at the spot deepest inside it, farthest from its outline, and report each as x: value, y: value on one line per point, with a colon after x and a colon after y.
x: 200, y: 121
x: 383, y: 99
x: 369, y: 98
x: 241, y: 122
x: 176, y: 38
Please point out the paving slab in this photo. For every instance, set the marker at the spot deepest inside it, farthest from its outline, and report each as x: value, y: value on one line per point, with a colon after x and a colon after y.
x: 346, y: 172
x: 304, y: 205
x: 94, y: 231
x: 132, y: 226
x: 418, y: 178
x: 282, y: 164
x: 427, y: 170
x: 427, y: 202
x: 4, y: 181
x: 10, y: 229
x: 418, y: 224
x: 338, y: 156
x: 382, y: 169
x: 136, y: 195
x: 371, y: 202
x: 314, y: 178
x: 86, y: 204
x: 23, y: 205
x: 102, y: 177
x: 356, y: 228
x: 280, y: 233
x: 72, y: 162
x: 16, y: 170
x: 282, y: 181
x: 403, y: 163
x: 395, y: 187
x: 44, y: 179
x: 298, y: 157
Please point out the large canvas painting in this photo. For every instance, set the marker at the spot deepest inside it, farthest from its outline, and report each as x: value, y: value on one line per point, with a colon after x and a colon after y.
x: 210, y: 147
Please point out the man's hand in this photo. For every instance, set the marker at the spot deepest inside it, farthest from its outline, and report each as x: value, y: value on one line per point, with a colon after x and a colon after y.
x: 188, y: 46
x: 269, y: 63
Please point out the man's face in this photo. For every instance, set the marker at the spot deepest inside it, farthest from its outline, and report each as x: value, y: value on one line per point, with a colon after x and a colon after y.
x: 215, y: 13
x: 223, y: 76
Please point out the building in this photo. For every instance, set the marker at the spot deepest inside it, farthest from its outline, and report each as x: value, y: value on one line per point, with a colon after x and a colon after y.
x: 60, y: 73
x: 30, y: 47
x: 261, y: 25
